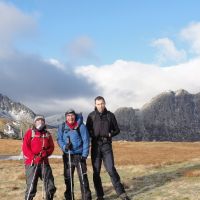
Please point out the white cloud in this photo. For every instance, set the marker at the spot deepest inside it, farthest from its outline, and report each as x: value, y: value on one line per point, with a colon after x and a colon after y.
x: 44, y: 87
x: 56, y: 105
x: 167, y: 51
x: 133, y: 84
x: 14, y: 24
x: 56, y: 63
x: 192, y: 35
x: 29, y: 78
x: 41, y: 84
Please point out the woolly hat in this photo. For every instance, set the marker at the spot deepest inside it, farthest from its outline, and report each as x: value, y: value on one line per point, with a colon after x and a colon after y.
x: 39, y: 117
x: 70, y: 111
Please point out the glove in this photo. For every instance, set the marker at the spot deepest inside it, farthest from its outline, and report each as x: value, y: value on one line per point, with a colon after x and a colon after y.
x: 83, y: 158
x: 68, y: 146
x: 37, y: 160
x: 44, y: 154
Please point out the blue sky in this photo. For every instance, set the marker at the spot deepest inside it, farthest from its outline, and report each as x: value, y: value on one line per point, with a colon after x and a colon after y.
x: 127, y: 51
x: 117, y: 29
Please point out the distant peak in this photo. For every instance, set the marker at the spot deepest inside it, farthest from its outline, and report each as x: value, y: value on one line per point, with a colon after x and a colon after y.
x: 167, y: 92
x: 14, y: 110
x: 162, y: 94
x: 181, y: 92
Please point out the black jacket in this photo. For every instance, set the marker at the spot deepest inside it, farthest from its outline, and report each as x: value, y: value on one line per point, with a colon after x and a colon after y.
x: 101, y: 124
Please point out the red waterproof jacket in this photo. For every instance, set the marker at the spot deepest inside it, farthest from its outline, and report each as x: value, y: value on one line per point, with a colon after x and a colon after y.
x: 37, y: 146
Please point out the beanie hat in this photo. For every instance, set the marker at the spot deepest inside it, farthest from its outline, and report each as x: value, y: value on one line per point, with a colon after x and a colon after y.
x: 39, y: 117
x: 70, y: 111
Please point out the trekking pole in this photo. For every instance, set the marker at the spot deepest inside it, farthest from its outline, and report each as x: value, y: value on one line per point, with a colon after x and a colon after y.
x: 82, y: 179
x: 43, y: 174
x: 43, y: 177
x: 70, y: 170
x: 29, y: 192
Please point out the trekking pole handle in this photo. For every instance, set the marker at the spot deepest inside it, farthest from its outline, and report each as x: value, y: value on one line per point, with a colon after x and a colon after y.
x: 68, y: 139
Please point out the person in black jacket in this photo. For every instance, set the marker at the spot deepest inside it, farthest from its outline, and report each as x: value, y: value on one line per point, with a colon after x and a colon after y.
x: 102, y: 126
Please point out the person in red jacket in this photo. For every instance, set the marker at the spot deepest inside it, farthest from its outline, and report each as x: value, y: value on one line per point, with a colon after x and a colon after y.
x: 37, y: 146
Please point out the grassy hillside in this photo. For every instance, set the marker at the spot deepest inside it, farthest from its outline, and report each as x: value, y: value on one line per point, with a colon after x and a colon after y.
x: 149, y: 171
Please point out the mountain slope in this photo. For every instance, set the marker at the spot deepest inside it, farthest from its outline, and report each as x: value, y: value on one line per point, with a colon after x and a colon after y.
x: 55, y: 120
x: 15, y: 118
x: 173, y: 116
x: 13, y: 110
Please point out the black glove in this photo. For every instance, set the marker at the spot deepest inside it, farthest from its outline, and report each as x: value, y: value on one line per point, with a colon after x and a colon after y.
x: 83, y: 158
x: 68, y: 146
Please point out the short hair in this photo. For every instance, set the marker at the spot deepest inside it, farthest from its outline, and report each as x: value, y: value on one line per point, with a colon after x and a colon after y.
x: 99, y: 98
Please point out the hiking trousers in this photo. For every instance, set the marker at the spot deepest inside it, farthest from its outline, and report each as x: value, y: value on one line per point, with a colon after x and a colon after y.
x: 41, y: 173
x: 102, y: 151
x: 81, y: 166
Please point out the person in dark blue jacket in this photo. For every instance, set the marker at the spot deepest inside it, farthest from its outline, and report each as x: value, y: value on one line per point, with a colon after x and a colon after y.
x: 73, y: 139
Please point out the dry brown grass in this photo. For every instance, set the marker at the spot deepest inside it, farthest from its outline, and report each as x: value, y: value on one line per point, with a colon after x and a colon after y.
x: 192, y: 173
x: 12, y: 184
x: 130, y: 153
x: 148, y: 170
x: 10, y: 147
x: 13, y: 147
x: 155, y: 153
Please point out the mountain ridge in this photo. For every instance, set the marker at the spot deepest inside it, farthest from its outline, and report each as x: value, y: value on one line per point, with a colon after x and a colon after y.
x: 169, y: 116
x: 15, y: 110
x: 15, y: 118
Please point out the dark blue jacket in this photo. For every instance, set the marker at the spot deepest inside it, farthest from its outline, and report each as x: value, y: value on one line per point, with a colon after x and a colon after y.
x: 80, y: 140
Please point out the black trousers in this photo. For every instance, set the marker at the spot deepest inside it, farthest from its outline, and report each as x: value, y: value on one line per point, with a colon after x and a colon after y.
x: 82, y: 174
x: 102, y: 151
x: 38, y: 171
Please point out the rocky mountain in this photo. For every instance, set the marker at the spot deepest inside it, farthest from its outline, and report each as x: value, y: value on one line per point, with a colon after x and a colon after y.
x: 172, y: 116
x: 14, y: 110
x: 15, y: 118
x: 130, y: 123
x: 55, y: 120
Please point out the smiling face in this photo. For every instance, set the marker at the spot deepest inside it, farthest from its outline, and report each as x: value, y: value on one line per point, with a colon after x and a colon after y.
x: 100, y: 105
x: 70, y: 118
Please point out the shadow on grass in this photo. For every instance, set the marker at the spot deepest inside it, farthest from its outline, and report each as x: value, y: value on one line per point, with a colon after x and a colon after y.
x: 135, y: 186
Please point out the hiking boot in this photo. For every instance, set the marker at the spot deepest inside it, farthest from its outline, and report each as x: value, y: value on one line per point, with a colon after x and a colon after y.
x: 124, y: 197
x: 100, y: 198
